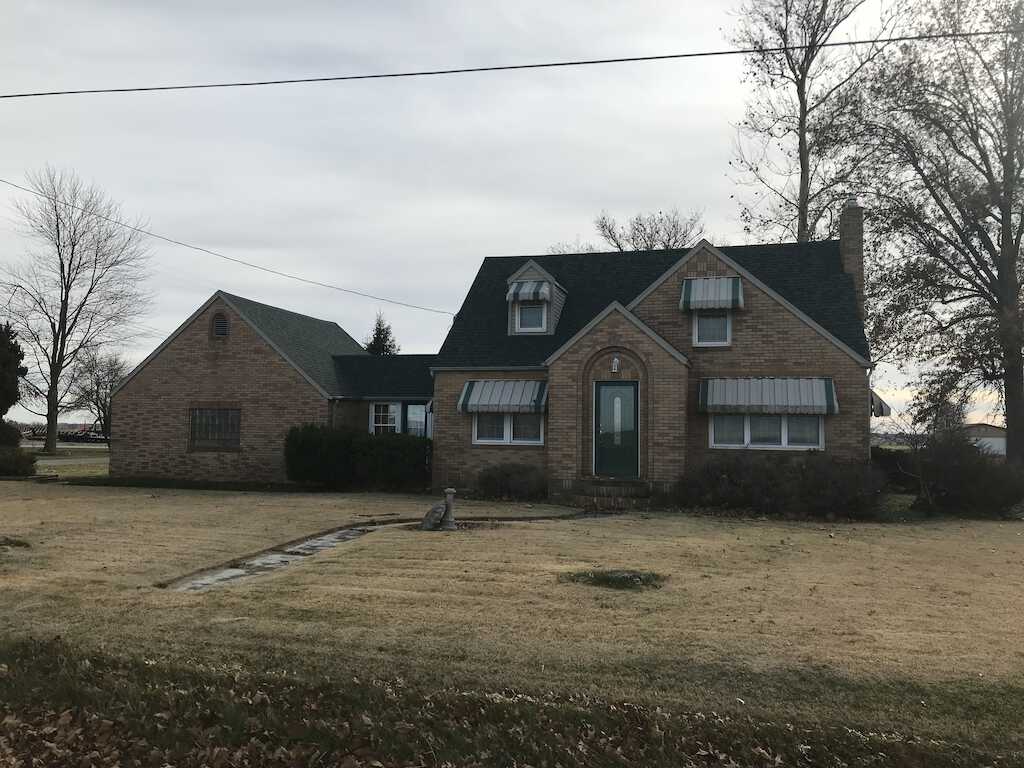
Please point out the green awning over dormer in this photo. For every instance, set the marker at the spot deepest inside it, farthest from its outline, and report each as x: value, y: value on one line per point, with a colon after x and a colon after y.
x: 711, y: 293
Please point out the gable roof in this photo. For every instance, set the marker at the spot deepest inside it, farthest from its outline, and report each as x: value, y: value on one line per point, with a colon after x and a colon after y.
x: 384, y: 376
x: 809, y: 276
x: 632, y: 319
x: 306, y: 342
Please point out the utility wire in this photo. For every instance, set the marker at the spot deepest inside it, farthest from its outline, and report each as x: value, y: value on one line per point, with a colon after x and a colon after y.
x: 511, y: 67
x: 249, y: 264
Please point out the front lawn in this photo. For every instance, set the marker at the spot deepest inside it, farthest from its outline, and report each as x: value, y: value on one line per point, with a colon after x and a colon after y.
x: 908, y: 628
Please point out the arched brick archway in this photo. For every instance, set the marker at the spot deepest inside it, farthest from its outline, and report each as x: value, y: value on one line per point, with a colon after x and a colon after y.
x: 599, y: 368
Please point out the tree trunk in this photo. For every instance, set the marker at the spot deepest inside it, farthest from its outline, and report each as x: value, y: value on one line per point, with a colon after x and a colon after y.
x: 50, y: 446
x: 803, y: 233
x: 1010, y: 336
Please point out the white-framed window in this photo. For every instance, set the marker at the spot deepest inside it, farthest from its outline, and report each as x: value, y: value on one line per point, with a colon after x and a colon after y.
x: 416, y: 419
x: 508, y: 429
x: 531, y: 316
x: 385, y: 418
x: 712, y: 328
x: 767, y: 432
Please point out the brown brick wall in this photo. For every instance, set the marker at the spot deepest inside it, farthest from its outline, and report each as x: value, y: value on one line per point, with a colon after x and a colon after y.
x: 767, y: 340
x: 151, y: 413
x: 662, y: 401
x: 456, y: 460
x: 354, y: 414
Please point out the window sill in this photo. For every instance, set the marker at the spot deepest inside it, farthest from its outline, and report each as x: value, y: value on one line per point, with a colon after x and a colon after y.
x: 196, y: 449
x: 767, y: 447
x: 506, y: 444
x: 713, y: 344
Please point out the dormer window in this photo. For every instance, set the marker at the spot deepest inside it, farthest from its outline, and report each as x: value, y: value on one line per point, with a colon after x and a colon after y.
x: 535, y: 301
x: 711, y: 302
x: 531, y: 316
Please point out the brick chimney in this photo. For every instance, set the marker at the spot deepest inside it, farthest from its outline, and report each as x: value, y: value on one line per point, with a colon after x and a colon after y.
x: 851, y: 246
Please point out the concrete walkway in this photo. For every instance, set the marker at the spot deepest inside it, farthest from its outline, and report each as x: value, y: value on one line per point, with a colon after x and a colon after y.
x: 294, y: 551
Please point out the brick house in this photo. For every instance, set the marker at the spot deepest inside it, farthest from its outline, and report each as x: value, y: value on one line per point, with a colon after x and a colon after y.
x: 613, y: 372
x: 215, y: 400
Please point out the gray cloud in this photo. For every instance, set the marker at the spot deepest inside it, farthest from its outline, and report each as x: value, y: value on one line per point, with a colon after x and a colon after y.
x: 392, y: 187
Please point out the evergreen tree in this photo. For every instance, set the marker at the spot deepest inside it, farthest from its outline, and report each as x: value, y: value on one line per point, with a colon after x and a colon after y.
x: 382, y: 340
x: 11, y: 369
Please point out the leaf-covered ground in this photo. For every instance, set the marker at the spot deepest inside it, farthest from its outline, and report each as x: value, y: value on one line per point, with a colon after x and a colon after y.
x: 909, y: 630
x: 59, y: 707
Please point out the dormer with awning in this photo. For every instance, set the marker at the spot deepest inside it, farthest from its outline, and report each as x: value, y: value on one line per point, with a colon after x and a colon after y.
x: 535, y: 301
x: 712, y: 300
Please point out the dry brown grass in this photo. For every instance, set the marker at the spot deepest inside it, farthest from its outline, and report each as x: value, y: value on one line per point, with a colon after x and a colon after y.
x: 926, y: 602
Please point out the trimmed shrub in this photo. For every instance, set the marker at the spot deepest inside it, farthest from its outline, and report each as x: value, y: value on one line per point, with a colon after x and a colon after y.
x: 349, y: 459
x: 898, y: 466
x: 958, y: 478
x: 798, y: 486
x: 15, y: 462
x: 10, y: 435
x: 517, y: 482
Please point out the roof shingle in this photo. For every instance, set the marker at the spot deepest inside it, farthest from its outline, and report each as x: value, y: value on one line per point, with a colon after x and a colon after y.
x: 309, y: 343
x: 808, y: 275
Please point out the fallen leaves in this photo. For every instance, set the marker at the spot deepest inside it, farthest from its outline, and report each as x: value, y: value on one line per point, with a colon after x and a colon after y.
x: 60, y: 709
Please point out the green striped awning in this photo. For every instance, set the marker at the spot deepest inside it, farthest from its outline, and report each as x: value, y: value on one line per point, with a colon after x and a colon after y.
x: 504, y: 396
x: 712, y: 293
x: 767, y: 395
x: 529, y: 290
x: 878, y: 406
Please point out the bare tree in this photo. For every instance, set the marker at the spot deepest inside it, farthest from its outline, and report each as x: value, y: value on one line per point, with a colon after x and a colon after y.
x: 96, y: 377
x: 943, y: 126
x: 643, y: 232
x: 790, y: 147
x: 75, y: 290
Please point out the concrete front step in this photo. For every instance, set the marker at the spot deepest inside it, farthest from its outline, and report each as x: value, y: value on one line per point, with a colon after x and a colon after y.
x: 609, y: 503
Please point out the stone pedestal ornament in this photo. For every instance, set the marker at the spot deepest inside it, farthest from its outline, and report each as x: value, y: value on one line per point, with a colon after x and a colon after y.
x: 448, y: 522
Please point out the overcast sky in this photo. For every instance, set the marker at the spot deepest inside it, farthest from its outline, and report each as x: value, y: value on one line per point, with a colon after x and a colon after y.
x: 395, y: 187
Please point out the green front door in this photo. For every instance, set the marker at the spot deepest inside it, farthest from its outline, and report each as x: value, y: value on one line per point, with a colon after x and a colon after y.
x: 616, y: 435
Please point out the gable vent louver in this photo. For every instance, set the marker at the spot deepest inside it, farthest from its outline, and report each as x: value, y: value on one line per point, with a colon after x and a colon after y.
x: 220, y: 325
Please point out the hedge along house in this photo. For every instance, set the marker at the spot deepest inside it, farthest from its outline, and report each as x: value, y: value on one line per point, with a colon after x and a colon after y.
x: 614, y: 372
x: 216, y: 399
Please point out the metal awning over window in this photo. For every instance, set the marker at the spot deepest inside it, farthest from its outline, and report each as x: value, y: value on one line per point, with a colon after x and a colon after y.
x: 504, y: 396
x: 712, y: 293
x: 767, y: 395
x: 529, y: 290
x: 878, y: 406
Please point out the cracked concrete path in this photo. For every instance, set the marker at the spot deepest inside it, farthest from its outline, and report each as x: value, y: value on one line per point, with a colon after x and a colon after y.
x: 269, y: 560
x: 295, y: 551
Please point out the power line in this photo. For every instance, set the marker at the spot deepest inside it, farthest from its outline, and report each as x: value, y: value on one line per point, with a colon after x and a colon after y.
x: 249, y: 264
x: 512, y: 67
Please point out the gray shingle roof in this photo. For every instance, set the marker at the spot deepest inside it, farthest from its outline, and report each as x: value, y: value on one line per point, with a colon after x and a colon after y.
x: 309, y: 343
x: 808, y: 275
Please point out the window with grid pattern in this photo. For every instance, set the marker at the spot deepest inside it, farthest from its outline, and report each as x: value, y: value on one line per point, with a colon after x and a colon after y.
x: 385, y: 418
x: 214, y: 429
